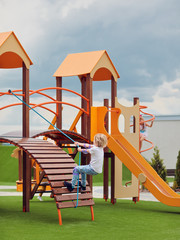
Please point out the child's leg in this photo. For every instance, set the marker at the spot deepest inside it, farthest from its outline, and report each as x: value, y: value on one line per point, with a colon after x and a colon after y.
x: 71, y: 186
x: 76, y: 172
x: 83, y: 179
x: 84, y: 170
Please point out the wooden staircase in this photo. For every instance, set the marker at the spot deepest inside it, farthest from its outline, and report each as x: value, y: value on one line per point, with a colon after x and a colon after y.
x: 58, y: 167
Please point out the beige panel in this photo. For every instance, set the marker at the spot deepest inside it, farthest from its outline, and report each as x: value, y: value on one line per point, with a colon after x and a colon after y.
x: 122, y: 191
x: 131, y: 190
x: 12, y: 45
x: 104, y: 62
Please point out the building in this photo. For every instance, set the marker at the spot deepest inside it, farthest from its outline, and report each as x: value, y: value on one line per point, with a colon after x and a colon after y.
x: 165, y: 134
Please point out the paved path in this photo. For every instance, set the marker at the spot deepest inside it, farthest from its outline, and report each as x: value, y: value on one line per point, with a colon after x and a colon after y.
x: 97, y: 193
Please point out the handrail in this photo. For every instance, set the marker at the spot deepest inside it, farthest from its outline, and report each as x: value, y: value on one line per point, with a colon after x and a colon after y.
x: 7, y: 93
x: 54, y: 101
x: 59, y: 88
x: 151, y: 119
x: 72, y: 105
x: 152, y: 145
x: 42, y: 94
x: 65, y: 89
x: 17, y: 104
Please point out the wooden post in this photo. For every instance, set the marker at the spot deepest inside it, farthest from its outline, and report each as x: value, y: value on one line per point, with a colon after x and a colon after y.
x: 135, y: 100
x: 106, y: 159
x: 25, y: 134
x: 84, y: 106
x: 89, y: 90
x: 134, y: 120
x: 20, y: 164
x: 84, y: 116
x: 25, y: 108
x: 59, y: 106
x: 89, y: 96
x: 113, y: 95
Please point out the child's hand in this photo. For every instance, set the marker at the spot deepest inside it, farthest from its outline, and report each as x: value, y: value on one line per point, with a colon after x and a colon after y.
x: 76, y: 143
x: 79, y: 149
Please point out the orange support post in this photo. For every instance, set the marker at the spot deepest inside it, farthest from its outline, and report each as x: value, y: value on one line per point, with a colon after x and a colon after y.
x: 60, y: 218
x: 92, y: 213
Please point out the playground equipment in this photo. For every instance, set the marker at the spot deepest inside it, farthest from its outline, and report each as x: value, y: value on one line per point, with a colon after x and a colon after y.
x: 132, y: 158
x: 53, y: 161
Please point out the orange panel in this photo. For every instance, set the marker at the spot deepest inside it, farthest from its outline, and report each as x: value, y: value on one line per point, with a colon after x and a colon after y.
x: 10, y: 60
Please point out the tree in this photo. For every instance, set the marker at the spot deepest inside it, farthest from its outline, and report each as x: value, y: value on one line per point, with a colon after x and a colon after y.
x: 177, y: 172
x: 157, y: 164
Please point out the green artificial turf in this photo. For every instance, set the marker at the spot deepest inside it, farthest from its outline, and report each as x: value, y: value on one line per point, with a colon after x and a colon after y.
x: 124, y: 220
x: 8, y: 165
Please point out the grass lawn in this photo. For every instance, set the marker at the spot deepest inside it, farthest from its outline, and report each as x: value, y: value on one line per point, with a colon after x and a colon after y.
x: 9, y: 165
x: 124, y: 220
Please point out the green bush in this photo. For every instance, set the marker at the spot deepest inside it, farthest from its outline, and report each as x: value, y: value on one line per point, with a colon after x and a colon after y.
x: 157, y: 164
x: 177, y: 173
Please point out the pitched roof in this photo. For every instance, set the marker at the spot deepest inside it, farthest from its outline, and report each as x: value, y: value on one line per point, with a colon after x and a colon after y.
x: 12, y: 54
x: 97, y: 63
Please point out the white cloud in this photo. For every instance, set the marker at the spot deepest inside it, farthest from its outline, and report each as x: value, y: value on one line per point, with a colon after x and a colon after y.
x: 143, y: 73
x: 70, y: 6
x: 166, y: 98
x: 137, y: 34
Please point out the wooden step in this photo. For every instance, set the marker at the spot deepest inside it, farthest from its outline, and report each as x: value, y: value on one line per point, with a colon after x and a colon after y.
x: 59, y: 191
x: 63, y: 165
x: 35, y: 147
x: 58, y: 171
x: 38, y: 156
x: 61, y: 198
x: 39, y: 145
x: 59, y: 184
x: 65, y: 159
x: 81, y: 203
x: 59, y: 177
x: 46, y: 151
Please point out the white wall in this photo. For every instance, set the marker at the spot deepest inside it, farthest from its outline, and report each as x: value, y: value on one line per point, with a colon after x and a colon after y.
x: 165, y: 134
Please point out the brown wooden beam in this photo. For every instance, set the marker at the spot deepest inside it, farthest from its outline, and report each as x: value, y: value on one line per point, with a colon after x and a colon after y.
x: 106, y: 159
x: 84, y: 106
x: 26, y: 182
x: 25, y: 108
x: 113, y: 96
x: 20, y: 164
x: 25, y: 134
x: 59, y: 106
x: 84, y: 116
x: 135, y: 100
x: 89, y: 90
x: 37, y: 185
x: 89, y: 96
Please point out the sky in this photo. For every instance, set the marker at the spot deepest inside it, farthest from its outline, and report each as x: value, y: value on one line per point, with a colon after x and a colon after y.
x: 141, y: 37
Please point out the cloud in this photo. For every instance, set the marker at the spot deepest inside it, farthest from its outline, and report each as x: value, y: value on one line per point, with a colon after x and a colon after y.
x: 143, y: 73
x: 70, y: 6
x: 141, y: 40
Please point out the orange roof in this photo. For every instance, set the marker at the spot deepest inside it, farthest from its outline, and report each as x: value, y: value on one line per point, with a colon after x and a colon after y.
x: 12, y: 54
x: 4, y: 36
x: 88, y: 62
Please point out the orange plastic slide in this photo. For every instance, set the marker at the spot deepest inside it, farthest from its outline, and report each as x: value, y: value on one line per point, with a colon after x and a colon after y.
x: 131, y: 158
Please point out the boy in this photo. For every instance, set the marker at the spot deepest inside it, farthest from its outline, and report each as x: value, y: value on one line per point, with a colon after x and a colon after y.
x: 96, y: 163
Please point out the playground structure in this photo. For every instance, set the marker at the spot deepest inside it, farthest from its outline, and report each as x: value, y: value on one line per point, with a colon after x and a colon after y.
x: 51, y: 160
